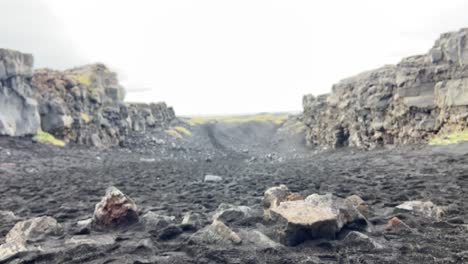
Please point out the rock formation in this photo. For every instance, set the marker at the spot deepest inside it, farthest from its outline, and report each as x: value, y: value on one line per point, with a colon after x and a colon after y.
x: 85, y: 105
x: 18, y: 108
x: 397, y: 104
x: 115, y: 210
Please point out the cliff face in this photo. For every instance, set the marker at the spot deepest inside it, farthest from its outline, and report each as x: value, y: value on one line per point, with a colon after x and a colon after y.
x: 85, y: 105
x: 18, y: 108
x: 396, y: 104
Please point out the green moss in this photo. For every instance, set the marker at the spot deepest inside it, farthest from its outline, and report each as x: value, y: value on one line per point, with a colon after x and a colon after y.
x: 277, y: 119
x: 449, y: 138
x: 46, y: 138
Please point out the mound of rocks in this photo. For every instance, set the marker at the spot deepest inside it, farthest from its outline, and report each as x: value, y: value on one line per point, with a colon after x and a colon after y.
x: 18, y: 108
x: 397, y: 104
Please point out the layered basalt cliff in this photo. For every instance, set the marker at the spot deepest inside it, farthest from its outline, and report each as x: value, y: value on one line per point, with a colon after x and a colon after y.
x: 82, y: 105
x: 18, y: 108
x: 85, y: 105
x: 409, y: 102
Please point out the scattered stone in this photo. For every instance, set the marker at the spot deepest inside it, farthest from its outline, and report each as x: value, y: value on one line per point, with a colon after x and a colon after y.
x: 359, y: 204
x: 155, y: 221
x: 33, y: 230
x: 427, y: 209
x: 10, y: 250
x: 169, y: 232
x: 397, y: 223
x: 84, y: 226
x: 7, y: 216
x: 273, y: 197
x: 115, y: 210
x: 216, y: 233
x: 257, y: 240
x: 213, y: 178
x: 228, y: 213
x: 193, y: 220
x: 361, y: 240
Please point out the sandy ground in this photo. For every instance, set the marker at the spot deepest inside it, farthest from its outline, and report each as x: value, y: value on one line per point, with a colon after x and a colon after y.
x: 167, y: 178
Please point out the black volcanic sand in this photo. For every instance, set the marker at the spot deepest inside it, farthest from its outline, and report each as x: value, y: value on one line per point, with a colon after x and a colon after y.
x: 66, y: 183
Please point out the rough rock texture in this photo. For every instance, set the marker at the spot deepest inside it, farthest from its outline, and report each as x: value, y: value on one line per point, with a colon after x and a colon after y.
x: 397, y: 104
x: 318, y: 216
x: 115, y: 210
x: 33, y: 229
x: 85, y: 105
x: 18, y: 108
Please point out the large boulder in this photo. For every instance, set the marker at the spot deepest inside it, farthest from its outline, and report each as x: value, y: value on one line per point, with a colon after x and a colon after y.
x: 19, y: 114
x: 318, y: 216
x: 115, y: 210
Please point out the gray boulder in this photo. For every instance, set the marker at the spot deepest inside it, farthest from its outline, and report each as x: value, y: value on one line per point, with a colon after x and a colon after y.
x: 318, y: 216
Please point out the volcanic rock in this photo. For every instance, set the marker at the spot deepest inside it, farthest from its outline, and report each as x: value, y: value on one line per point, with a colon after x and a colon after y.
x: 273, y: 197
x: 155, y: 221
x: 19, y: 114
x: 33, y: 229
x: 427, y: 209
x: 358, y: 239
x: 409, y: 102
x: 216, y: 233
x: 115, y: 210
x: 228, y: 213
x: 318, y: 216
x: 359, y: 204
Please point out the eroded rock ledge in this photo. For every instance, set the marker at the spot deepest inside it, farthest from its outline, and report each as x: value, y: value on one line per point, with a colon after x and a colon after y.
x: 397, y: 104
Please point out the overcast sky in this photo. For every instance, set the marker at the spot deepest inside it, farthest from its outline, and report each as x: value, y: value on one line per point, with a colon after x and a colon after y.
x: 224, y: 57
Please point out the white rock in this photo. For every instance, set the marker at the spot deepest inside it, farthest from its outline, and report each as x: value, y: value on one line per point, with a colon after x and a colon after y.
x: 213, y: 178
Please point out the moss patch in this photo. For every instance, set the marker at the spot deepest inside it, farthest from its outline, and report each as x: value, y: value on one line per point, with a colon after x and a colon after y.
x: 178, y: 132
x: 450, y: 138
x: 83, y: 79
x: 277, y: 119
x: 46, y: 138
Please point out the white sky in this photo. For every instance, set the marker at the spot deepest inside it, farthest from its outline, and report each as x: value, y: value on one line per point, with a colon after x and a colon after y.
x: 219, y: 57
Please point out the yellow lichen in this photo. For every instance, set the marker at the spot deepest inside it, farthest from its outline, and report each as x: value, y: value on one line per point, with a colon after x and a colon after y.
x: 46, y: 138
x: 83, y: 79
x: 85, y: 117
x: 449, y: 138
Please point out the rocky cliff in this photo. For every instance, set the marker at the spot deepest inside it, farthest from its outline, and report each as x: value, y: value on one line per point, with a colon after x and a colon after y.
x: 85, y: 105
x: 18, y: 108
x: 397, y: 104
